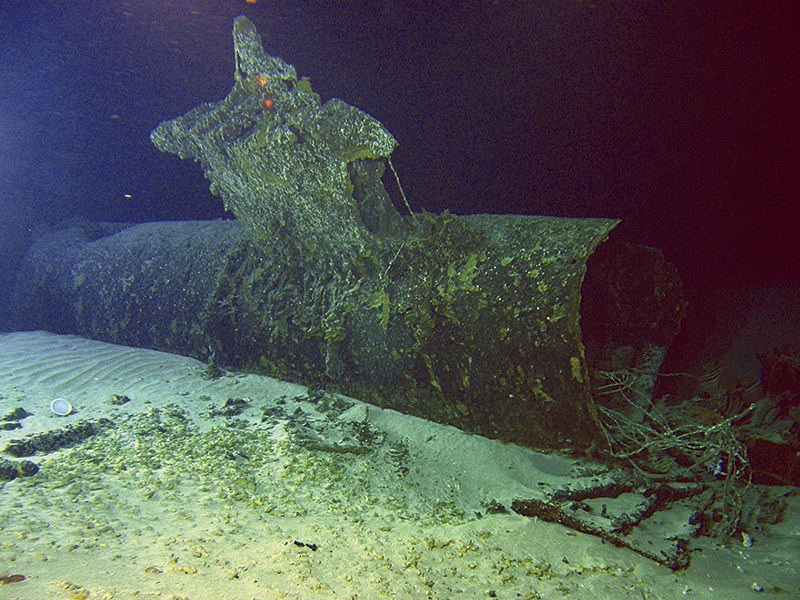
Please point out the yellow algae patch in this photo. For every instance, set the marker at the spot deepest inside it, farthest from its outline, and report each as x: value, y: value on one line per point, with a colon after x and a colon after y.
x: 575, y: 366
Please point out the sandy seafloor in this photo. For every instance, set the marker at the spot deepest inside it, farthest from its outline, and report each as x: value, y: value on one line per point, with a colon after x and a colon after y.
x: 173, y: 498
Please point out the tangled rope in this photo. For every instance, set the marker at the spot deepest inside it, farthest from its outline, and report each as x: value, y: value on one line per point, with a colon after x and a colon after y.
x: 670, y: 443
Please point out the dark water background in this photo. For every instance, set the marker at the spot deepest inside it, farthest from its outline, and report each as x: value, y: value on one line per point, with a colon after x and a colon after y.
x: 679, y: 117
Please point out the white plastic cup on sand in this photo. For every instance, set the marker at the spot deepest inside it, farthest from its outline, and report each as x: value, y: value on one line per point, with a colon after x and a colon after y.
x: 61, y: 407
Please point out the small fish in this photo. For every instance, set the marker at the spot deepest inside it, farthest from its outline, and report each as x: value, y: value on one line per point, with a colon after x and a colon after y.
x: 12, y: 578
